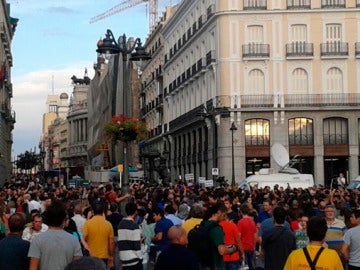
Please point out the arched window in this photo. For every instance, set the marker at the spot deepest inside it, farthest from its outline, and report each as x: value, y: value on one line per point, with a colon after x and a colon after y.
x: 256, y: 85
x: 301, y: 131
x: 334, y: 81
x: 335, y: 131
x: 257, y: 132
x: 299, y: 81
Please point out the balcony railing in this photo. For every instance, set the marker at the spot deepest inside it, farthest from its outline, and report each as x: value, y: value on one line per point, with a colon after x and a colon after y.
x: 334, y: 49
x: 255, y: 4
x: 256, y: 50
x: 333, y: 3
x: 300, y: 49
x: 288, y: 101
x: 357, y: 49
x: 298, y: 4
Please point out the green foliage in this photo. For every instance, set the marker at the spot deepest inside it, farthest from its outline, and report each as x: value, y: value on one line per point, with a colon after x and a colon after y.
x: 28, y: 160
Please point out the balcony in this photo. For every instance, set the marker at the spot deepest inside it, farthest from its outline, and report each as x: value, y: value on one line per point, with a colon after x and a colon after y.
x: 255, y: 4
x: 298, y: 4
x: 357, y: 3
x: 256, y: 51
x: 210, y: 11
x: 331, y: 49
x: 357, y: 49
x: 210, y: 57
x: 333, y: 3
x: 299, y: 49
x: 293, y: 101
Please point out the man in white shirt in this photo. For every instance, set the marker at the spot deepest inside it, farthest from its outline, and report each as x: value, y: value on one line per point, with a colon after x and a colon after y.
x: 36, y: 227
x: 78, y: 218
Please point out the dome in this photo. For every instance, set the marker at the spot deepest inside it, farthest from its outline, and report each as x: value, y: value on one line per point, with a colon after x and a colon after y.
x: 64, y: 96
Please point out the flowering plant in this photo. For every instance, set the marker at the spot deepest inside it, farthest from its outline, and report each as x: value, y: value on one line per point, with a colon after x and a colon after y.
x: 125, y: 129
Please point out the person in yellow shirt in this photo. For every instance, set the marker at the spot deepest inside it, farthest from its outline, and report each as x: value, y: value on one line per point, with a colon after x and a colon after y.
x: 98, y: 235
x: 195, y: 217
x: 322, y: 258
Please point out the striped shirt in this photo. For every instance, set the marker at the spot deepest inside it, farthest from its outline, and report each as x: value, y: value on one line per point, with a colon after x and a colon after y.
x: 129, y: 242
x: 335, y: 232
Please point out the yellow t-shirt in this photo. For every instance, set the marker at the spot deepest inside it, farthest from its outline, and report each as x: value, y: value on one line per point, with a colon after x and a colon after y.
x: 191, y: 223
x: 328, y: 260
x: 97, y: 232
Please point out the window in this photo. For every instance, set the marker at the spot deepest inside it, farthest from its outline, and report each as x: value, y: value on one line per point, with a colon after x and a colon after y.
x: 334, y: 81
x: 256, y: 85
x: 333, y: 33
x: 301, y: 131
x: 53, y: 108
x: 298, y: 33
x: 299, y: 82
x: 335, y: 131
x: 255, y: 34
x: 257, y: 132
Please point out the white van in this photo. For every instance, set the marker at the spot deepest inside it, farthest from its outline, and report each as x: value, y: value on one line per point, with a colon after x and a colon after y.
x: 266, y: 178
x: 354, y: 184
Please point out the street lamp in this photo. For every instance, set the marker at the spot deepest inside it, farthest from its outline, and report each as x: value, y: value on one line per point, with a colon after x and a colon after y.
x: 232, y: 128
x: 107, y: 47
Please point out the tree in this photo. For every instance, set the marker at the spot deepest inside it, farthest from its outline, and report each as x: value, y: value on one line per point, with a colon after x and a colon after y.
x: 28, y: 160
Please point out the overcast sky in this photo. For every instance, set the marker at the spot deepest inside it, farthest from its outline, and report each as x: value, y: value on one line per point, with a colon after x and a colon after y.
x: 54, y: 39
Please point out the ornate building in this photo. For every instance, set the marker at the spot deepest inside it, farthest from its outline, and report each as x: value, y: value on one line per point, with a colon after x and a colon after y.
x: 77, y: 119
x: 7, y: 115
x: 280, y: 71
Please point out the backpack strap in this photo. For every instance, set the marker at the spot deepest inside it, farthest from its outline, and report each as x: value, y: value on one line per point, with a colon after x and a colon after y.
x: 312, y: 263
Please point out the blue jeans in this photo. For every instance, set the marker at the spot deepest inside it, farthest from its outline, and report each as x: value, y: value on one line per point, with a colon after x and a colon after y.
x: 249, y: 258
x: 234, y: 265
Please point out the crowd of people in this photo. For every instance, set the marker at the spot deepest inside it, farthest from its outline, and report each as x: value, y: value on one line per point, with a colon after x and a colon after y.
x: 177, y: 227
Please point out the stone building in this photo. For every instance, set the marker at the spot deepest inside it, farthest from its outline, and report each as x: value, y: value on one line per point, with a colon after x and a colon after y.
x: 280, y: 71
x: 7, y: 115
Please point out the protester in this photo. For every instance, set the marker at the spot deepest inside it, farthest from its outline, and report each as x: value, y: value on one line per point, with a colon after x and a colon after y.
x: 36, y: 227
x: 277, y: 242
x: 326, y: 258
x: 162, y: 227
x: 98, y: 235
x: 129, y: 240
x: 336, y: 229
x: 231, y: 238
x: 351, y: 247
x: 78, y: 218
x: 248, y: 234
x: 14, y: 250
x: 195, y: 218
x: 55, y: 248
x: 86, y: 263
x: 176, y: 256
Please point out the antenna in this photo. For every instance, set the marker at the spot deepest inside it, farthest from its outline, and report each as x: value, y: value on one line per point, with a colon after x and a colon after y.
x: 281, y: 157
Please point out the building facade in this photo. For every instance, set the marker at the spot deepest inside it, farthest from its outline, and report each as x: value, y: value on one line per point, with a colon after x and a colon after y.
x: 280, y: 71
x: 77, y: 120
x: 7, y: 115
x: 154, y: 153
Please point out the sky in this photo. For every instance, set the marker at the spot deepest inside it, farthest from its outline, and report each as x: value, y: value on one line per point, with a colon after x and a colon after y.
x: 53, y: 41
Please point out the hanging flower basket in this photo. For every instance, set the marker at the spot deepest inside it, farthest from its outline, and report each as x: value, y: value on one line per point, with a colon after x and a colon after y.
x: 125, y: 129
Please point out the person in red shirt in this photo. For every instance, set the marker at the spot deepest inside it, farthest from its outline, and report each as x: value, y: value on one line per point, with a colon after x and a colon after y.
x: 248, y: 234
x: 231, y: 238
x: 110, y: 196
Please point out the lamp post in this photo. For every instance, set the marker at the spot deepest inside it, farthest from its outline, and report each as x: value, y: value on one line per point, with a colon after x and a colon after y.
x: 107, y: 47
x: 232, y: 129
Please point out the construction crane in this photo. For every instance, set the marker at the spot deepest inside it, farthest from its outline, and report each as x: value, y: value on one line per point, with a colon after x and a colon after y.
x: 153, y: 10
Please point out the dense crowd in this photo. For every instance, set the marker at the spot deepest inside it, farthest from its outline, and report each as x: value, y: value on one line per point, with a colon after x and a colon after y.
x: 45, y: 226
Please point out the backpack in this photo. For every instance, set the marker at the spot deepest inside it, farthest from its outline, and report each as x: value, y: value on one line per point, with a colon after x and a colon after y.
x: 200, y: 243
